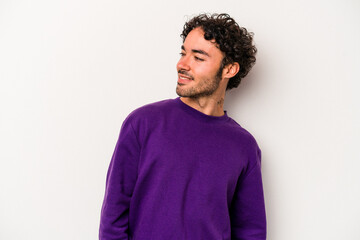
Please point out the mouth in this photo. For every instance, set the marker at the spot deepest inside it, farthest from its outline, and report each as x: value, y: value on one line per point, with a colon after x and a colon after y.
x: 183, y: 79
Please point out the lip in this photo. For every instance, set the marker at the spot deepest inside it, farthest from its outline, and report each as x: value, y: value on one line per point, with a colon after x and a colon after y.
x: 184, y: 79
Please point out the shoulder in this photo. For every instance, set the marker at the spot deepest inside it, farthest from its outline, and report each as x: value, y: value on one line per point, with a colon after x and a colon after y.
x: 241, y: 132
x: 243, y: 137
x: 150, y: 108
x: 151, y: 112
x: 247, y: 145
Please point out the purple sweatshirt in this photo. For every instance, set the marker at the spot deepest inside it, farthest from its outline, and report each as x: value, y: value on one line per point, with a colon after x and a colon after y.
x: 179, y: 174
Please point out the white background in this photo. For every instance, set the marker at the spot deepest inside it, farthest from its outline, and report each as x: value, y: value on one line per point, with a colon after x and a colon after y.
x: 71, y: 71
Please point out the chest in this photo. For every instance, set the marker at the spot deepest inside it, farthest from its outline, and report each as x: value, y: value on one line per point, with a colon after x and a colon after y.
x: 203, y: 154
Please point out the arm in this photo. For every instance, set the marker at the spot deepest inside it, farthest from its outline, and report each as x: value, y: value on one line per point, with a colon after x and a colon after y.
x: 120, y: 182
x: 248, y: 218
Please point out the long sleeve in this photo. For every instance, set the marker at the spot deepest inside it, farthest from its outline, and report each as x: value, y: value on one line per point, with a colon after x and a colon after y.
x: 120, y: 182
x: 248, y: 217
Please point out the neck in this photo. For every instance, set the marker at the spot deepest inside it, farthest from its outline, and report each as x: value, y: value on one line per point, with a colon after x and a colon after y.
x: 212, y: 105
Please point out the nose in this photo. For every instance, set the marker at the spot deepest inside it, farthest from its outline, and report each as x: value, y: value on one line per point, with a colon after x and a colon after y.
x: 183, y: 63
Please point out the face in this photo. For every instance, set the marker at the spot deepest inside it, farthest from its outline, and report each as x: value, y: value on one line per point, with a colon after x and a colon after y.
x: 199, y: 68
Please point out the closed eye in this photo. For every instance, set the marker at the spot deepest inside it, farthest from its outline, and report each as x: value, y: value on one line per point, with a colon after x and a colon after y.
x: 199, y: 59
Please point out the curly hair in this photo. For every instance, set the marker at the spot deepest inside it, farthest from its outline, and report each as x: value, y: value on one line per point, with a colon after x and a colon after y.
x: 234, y: 41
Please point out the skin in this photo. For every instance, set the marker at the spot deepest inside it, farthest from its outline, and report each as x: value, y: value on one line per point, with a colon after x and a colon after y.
x: 201, y: 83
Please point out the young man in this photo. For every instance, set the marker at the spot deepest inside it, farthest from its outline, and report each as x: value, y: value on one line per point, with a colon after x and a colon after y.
x: 182, y: 168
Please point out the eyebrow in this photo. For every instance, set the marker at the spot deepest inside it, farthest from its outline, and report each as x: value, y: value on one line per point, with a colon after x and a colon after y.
x: 197, y: 51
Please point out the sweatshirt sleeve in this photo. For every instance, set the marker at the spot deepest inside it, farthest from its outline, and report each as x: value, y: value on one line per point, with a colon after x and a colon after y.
x: 248, y: 218
x: 120, y: 183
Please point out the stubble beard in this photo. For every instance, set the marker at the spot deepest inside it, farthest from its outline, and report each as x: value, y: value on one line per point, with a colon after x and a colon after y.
x: 203, y: 89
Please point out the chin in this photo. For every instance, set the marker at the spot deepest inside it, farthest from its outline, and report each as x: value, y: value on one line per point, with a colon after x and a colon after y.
x: 179, y: 92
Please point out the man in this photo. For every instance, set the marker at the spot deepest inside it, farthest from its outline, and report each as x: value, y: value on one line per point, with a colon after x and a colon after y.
x: 182, y: 168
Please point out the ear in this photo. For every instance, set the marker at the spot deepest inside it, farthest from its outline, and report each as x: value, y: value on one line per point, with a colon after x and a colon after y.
x: 231, y: 70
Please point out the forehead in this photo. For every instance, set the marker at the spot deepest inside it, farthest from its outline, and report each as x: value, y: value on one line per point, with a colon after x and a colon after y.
x: 195, y: 41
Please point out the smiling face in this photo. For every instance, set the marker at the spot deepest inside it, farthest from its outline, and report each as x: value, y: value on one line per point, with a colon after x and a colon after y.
x: 199, y: 68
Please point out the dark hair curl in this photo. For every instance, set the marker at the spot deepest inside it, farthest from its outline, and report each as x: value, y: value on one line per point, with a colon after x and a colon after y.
x: 234, y: 41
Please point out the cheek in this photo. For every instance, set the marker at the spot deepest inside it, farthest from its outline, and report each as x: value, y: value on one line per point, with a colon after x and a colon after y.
x: 206, y: 71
